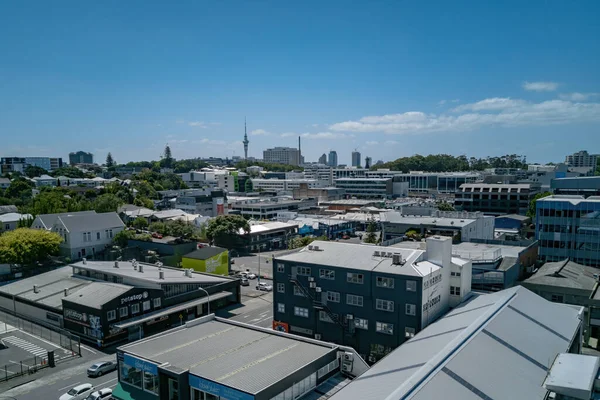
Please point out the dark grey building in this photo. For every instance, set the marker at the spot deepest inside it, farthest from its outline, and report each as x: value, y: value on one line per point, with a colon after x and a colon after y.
x: 495, y: 198
x: 213, y: 358
x: 81, y: 157
x: 368, y: 297
x: 580, y: 186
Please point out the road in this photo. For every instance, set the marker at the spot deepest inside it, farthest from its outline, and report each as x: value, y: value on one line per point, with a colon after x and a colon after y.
x: 252, y: 262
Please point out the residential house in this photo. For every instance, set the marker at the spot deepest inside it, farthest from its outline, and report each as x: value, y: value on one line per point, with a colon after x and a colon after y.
x: 10, y: 221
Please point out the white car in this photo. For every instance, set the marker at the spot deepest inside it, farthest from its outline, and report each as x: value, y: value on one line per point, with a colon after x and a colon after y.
x: 265, y: 287
x: 100, y: 394
x: 78, y: 392
x: 251, y: 275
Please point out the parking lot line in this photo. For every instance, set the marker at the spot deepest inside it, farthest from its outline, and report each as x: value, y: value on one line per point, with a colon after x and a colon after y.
x: 19, y: 363
x: 40, y: 339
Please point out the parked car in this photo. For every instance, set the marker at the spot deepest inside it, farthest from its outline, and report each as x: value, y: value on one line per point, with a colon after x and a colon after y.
x: 250, y: 275
x: 157, y: 235
x: 264, y: 287
x: 244, y: 281
x: 78, y: 392
x: 105, y: 393
x: 345, y: 237
x: 101, y: 368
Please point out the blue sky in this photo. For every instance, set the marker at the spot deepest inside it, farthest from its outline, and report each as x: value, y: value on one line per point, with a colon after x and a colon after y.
x: 391, y: 78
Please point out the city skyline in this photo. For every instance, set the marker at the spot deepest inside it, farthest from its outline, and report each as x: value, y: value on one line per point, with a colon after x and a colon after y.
x: 390, y: 80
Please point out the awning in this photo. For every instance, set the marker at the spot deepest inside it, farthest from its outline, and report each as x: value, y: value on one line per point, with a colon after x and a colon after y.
x: 179, y: 307
x: 120, y: 393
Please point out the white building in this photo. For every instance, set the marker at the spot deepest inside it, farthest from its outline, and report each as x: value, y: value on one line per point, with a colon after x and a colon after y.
x: 84, y: 233
x: 582, y: 159
x: 10, y: 221
x: 282, y: 185
x: 320, y: 172
x: 282, y: 155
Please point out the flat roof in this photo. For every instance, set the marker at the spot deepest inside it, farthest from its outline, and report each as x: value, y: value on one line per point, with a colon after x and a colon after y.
x: 495, y: 346
x: 204, y: 253
x: 362, y: 257
x: 96, y: 294
x: 350, y: 202
x: 398, y: 218
x: 243, y: 357
x: 574, y: 373
x: 565, y: 273
x: 150, y: 272
x: 571, y: 199
x: 483, y: 248
x: 269, y: 226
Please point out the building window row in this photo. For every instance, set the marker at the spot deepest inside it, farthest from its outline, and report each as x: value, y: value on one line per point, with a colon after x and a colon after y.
x: 384, y: 305
x: 384, y: 327
x: 361, y: 323
x: 326, y: 274
x: 385, y: 282
x: 333, y: 297
x: 354, y: 300
x: 301, y: 312
x: 304, y: 271
x: 455, y: 290
x: 454, y: 273
x: 352, y: 277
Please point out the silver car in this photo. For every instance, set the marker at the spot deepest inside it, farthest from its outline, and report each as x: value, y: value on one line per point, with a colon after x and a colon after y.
x: 101, y: 368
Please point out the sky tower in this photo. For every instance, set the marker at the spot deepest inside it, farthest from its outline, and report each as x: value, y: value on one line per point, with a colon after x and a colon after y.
x: 246, y: 141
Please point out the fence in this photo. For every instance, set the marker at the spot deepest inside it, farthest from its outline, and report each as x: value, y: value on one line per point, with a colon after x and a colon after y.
x: 53, y: 334
x: 23, y: 367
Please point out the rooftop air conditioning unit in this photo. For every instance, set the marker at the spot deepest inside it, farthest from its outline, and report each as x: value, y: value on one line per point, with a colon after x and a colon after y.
x: 141, y: 268
x: 349, y: 317
x: 161, y: 274
x: 36, y: 289
x: 376, y: 253
x: 66, y: 291
x: 318, y: 289
x: 116, y: 264
x: 397, y: 259
x: 316, y: 248
x: 310, y: 247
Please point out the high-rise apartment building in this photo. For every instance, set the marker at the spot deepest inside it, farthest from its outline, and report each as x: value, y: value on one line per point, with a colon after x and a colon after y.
x: 582, y: 159
x: 81, y: 157
x: 20, y: 164
x: 333, y: 159
x: 355, y: 158
x: 282, y: 155
x: 323, y: 159
x: 567, y: 227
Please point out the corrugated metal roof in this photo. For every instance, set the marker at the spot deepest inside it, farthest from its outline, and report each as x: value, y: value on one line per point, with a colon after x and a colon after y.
x: 398, y: 218
x: 564, y: 273
x: 358, y: 256
x: 97, y: 293
x: 240, y: 357
x: 80, y: 223
x: 497, y: 346
x: 49, y: 219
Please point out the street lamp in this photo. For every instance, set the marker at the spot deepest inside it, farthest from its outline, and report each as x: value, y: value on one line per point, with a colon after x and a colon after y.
x: 207, y: 296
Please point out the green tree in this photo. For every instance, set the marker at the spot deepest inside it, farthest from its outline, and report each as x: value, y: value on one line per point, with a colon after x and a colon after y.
x: 445, y: 206
x: 32, y: 171
x: 19, y: 188
x: 107, y: 203
x: 69, y: 172
x: 140, y: 223
x: 371, y: 236
x: 167, y: 161
x: 142, y: 201
x: 26, y: 246
x: 224, y: 230
x: 110, y: 162
x: 531, y: 209
x: 122, y: 238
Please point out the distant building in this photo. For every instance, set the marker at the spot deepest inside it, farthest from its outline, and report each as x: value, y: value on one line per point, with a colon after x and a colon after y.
x: 284, y: 185
x: 206, y: 202
x: 10, y: 221
x: 282, y: 155
x: 579, y: 186
x: 367, y: 297
x: 582, y: 159
x: 368, y: 162
x: 81, y: 157
x: 20, y: 164
x: 333, y: 159
x: 321, y: 194
x: 369, y: 188
x: 210, y: 259
x: 267, y: 209
x: 268, y: 236
x: 567, y: 228
x: 320, y: 172
x: 323, y: 159
x: 356, y: 159
x: 4, y: 183
x: 495, y: 199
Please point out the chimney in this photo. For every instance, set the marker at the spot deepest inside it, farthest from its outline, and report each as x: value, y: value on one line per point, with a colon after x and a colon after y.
x: 141, y: 268
x: 161, y: 274
x: 299, y: 152
x: 36, y: 289
x: 66, y: 292
x: 116, y: 264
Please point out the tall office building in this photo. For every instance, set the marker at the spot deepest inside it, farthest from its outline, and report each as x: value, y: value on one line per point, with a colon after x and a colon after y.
x: 323, y: 159
x: 368, y: 162
x: 582, y: 159
x: 355, y: 158
x: 81, y: 157
x: 333, y: 160
x: 282, y: 155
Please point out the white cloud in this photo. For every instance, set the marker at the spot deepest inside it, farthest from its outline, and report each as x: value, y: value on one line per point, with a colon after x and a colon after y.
x: 324, y: 135
x: 441, y: 102
x: 578, y: 96
x: 391, y: 142
x: 540, y: 86
x: 197, y: 124
x: 212, y: 142
x: 260, y: 132
x: 493, y: 112
x: 372, y: 143
x: 287, y: 134
x: 455, y: 100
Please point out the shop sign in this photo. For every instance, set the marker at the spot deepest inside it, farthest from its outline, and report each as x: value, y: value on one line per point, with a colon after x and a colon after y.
x: 75, y: 315
x: 217, y: 389
x: 134, y: 297
x: 142, y: 365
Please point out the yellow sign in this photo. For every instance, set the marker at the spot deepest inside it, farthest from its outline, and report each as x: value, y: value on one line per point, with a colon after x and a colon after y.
x: 218, y: 264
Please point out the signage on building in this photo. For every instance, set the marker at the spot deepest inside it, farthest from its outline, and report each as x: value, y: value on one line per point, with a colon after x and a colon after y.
x: 281, y: 326
x: 301, y: 330
x: 75, y: 315
x: 217, y: 389
x: 220, y: 206
x: 134, y: 297
x: 142, y: 365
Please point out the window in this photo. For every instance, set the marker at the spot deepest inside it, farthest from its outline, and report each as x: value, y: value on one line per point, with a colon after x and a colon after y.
x: 384, y: 327
x: 353, y: 300
x: 123, y: 312
x: 150, y: 382
x: 157, y: 303
x: 84, y: 237
x: 409, y: 332
x: 454, y: 290
x: 323, y: 316
x: 326, y: 274
x: 135, y: 308
x: 454, y: 273
x: 298, y: 291
x: 131, y: 375
x: 146, y: 305
x: 410, y: 309
x: 385, y: 282
x: 97, y: 235
x: 384, y: 305
x: 333, y: 297
x: 361, y: 323
x: 557, y: 298
x: 111, y: 315
x: 281, y: 287
x: 301, y: 312
x: 411, y: 286
x: 352, y: 277
x: 173, y: 389
x: 280, y: 267
x: 280, y: 307
x: 110, y: 233
x: 305, y: 271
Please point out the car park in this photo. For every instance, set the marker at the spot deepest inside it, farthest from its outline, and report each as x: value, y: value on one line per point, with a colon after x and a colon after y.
x: 264, y: 287
x: 101, y: 394
x: 101, y: 368
x: 78, y: 392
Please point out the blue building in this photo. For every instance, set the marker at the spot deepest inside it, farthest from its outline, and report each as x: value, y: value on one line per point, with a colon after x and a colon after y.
x: 569, y: 227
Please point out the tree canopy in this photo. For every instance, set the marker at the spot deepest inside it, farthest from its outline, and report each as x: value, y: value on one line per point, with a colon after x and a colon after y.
x: 107, y: 203
x: 224, y: 230
x: 531, y: 209
x: 69, y: 172
x: 176, y: 228
x: 167, y: 159
x: 32, y: 171
x: 371, y: 236
x: 445, y: 206
x: 110, y: 162
x: 447, y: 163
x: 28, y: 246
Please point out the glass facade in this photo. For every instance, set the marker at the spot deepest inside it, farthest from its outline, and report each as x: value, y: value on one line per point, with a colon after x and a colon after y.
x: 569, y: 228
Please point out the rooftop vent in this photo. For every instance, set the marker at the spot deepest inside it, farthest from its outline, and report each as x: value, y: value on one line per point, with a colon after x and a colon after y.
x: 84, y: 261
x: 316, y: 248
x: 311, y: 247
x: 397, y: 259
x: 376, y: 253
x: 36, y: 289
x: 161, y: 274
x: 141, y: 268
x: 116, y: 264
x: 66, y: 291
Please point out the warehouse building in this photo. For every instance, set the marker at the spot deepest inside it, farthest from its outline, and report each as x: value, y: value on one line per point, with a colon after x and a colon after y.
x: 110, y: 302
x: 211, y: 259
x: 213, y: 358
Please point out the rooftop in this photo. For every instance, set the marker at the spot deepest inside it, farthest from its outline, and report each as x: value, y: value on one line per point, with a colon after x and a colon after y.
x: 361, y: 257
x: 269, y: 226
x: 515, y: 216
x: 396, y: 217
x: 97, y: 293
x: 14, y: 217
x: 567, y: 274
x: 573, y: 374
x: 50, y: 219
x: 570, y: 199
x: 240, y: 356
x: 97, y: 221
x: 496, y: 346
x: 350, y: 202
x: 204, y: 253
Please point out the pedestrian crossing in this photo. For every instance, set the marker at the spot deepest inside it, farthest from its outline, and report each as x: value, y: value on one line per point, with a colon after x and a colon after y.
x: 27, y: 346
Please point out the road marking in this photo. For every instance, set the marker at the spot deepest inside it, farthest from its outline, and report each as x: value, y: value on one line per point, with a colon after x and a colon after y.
x: 85, y: 348
x: 245, y: 316
x: 70, y: 386
x: 42, y: 340
x: 101, y: 385
x: 27, y: 346
x: 19, y: 363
